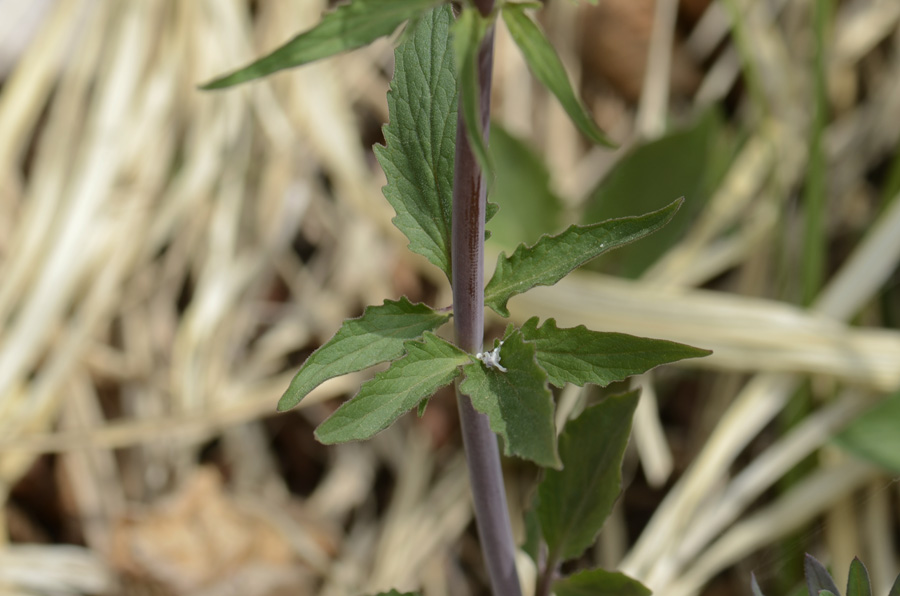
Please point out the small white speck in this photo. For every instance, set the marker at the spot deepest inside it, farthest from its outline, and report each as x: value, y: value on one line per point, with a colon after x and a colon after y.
x: 492, y: 359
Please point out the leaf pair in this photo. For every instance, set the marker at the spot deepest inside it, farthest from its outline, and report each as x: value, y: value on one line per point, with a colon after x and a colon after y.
x: 820, y: 583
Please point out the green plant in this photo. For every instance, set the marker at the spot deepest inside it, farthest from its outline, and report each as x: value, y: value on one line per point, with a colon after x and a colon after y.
x: 434, y: 158
x: 820, y: 583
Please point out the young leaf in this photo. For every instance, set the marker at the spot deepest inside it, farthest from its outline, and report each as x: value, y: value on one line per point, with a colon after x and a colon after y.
x: 517, y: 402
x: 858, y: 580
x: 817, y: 577
x: 468, y: 32
x: 376, y: 336
x: 420, y: 139
x: 348, y: 27
x: 554, y: 257
x: 575, y: 501
x: 428, y: 365
x: 546, y: 66
x: 578, y: 355
x: 597, y: 582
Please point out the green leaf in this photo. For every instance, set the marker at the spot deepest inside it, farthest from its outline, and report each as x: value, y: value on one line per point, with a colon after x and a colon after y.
x: 522, y: 189
x: 827, y: 593
x: 873, y: 435
x: 597, y: 582
x: 531, y: 545
x: 575, y: 501
x: 858, y: 580
x: 428, y: 365
x: 546, y: 66
x: 376, y: 336
x: 468, y: 32
x: 421, y: 138
x: 517, y: 402
x: 578, y: 355
x: 817, y: 577
x: 895, y: 588
x: 348, y: 27
x: 684, y: 163
x: 554, y: 257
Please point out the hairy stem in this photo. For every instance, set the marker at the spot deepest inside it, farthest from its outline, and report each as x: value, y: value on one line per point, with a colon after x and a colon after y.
x: 482, y: 454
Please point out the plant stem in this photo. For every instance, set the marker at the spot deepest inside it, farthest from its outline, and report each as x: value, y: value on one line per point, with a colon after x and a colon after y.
x: 482, y: 454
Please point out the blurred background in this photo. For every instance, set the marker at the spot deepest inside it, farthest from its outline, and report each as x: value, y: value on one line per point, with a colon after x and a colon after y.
x: 168, y: 258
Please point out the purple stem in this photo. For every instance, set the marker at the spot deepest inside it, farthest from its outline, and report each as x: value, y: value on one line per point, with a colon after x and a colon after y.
x: 480, y: 443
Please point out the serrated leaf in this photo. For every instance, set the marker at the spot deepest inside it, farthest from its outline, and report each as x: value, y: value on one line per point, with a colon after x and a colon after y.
x: 548, y: 69
x: 517, y: 403
x: 420, y: 138
x: 376, y: 336
x: 554, y: 257
x: 817, y: 577
x: 873, y: 435
x: 598, y: 582
x: 428, y: 365
x: 578, y: 355
x: 468, y: 32
x: 858, y: 579
x: 348, y: 27
x: 575, y: 501
x: 754, y: 586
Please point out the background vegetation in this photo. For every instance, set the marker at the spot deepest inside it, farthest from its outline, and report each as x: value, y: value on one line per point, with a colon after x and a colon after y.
x: 169, y: 257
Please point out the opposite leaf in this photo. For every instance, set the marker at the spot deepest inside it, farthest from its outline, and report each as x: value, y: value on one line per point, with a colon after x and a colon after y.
x: 858, y: 580
x: 428, y: 365
x: 817, y: 577
x: 350, y: 26
x: 420, y: 139
x: 578, y: 355
x: 517, y: 402
x: 376, y: 336
x: 575, y: 501
x: 554, y: 257
x: 598, y: 582
x: 546, y: 66
x: 468, y: 32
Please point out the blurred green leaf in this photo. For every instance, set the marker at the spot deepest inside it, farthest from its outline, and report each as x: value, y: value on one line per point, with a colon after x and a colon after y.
x: 578, y: 355
x: 895, y: 588
x: 547, y: 68
x: 428, y: 365
x: 348, y: 27
x: 597, y: 582
x: 575, y: 501
x: 468, y: 32
x: 817, y: 577
x: 874, y: 435
x: 421, y: 138
x: 532, y: 543
x: 522, y: 190
x: 517, y: 402
x: 376, y: 336
x: 553, y: 257
x: 858, y: 581
x: 687, y: 163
